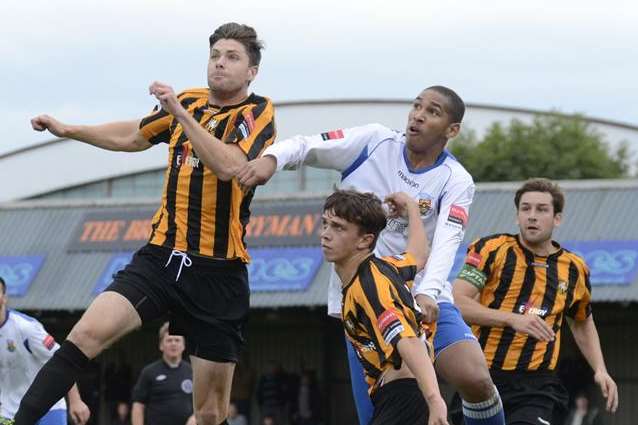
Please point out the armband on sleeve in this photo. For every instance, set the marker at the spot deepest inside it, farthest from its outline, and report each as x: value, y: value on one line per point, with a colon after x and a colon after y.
x: 473, y: 275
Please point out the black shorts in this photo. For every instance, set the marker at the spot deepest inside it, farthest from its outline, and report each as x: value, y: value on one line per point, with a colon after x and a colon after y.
x: 530, y: 398
x: 207, y: 302
x: 399, y: 402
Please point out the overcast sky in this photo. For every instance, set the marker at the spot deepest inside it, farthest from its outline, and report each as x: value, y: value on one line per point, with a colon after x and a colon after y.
x: 90, y: 62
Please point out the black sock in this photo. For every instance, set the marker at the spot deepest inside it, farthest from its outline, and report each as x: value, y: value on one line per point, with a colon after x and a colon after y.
x: 52, y: 382
x: 225, y: 422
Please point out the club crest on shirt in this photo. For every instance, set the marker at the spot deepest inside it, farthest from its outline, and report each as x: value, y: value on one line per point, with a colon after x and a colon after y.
x: 11, y: 345
x: 424, y: 200
x: 211, y: 125
x: 562, y: 287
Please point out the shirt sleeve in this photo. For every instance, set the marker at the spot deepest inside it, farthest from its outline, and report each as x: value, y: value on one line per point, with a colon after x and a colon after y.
x: 387, y: 323
x: 335, y: 150
x: 448, y: 234
x: 255, y: 129
x: 38, y: 341
x: 580, y: 309
x: 142, y: 389
x: 405, y: 264
x: 156, y: 126
x: 475, y: 268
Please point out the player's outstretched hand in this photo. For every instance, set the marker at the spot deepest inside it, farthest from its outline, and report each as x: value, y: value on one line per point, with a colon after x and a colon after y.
x: 47, y: 122
x: 438, y: 411
x: 608, y: 388
x: 429, y: 308
x: 532, y: 325
x: 167, y: 98
x: 399, y: 202
x: 80, y: 412
x: 257, y: 171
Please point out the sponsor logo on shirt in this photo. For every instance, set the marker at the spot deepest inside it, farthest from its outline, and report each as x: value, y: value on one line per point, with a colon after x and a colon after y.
x: 332, y: 135
x: 161, y: 377
x: 457, y: 216
x: 407, y: 180
x: 528, y: 308
x: 397, y: 225
x: 48, y: 342
x: 11, y: 345
x: 187, y: 386
x: 184, y: 156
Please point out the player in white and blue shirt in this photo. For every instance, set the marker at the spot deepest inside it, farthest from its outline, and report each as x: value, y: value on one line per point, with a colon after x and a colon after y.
x: 24, y: 347
x: 376, y: 159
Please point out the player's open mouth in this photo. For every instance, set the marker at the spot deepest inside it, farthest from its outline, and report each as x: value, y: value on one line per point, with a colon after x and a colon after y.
x: 413, y: 130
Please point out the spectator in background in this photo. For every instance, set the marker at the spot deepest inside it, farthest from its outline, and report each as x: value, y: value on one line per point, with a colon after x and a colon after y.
x: 307, y: 408
x: 122, y: 414
x: 243, y: 387
x: 582, y: 413
x: 234, y: 417
x: 269, y: 420
x: 163, y: 393
x: 271, y: 393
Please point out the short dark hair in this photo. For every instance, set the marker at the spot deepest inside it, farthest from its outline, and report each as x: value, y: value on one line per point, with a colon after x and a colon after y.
x: 163, y: 331
x: 244, y: 34
x: 542, y: 185
x: 363, y: 209
x: 456, y: 106
x: 4, y: 285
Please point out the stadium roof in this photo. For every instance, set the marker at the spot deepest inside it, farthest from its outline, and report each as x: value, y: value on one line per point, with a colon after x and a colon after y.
x: 595, y: 210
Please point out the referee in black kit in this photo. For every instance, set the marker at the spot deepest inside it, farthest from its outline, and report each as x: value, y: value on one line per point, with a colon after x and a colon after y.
x: 163, y: 394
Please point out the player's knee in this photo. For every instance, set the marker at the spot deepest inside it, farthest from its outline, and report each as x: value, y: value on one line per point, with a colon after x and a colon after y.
x: 209, y: 416
x: 476, y: 387
x: 88, y: 339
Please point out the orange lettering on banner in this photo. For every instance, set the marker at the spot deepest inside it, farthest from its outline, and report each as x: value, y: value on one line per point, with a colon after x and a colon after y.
x: 310, y: 222
x: 89, y: 228
x: 255, y: 226
x: 138, y: 230
x: 277, y: 225
x: 113, y: 229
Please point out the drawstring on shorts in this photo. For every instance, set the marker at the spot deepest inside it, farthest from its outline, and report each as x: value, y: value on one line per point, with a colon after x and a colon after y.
x: 186, y: 261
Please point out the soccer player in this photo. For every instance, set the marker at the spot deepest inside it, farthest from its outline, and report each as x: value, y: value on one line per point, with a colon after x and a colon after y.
x: 163, y: 392
x: 516, y: 290
x: 376, y: 159
x: 194, y: 265
x: 24, y: 347
x: 378, y: 311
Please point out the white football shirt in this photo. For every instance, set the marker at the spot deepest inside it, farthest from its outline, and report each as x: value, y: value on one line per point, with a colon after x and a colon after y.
x: 24, y: 348
x: 373, y: 158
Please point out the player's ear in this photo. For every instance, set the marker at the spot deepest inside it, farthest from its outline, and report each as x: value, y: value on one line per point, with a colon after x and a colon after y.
x: 453, y: 130
x: 365, y: 243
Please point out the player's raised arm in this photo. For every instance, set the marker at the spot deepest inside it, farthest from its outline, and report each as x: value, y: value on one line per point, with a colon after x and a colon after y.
x: 115, y: 136
x: 335, y: 150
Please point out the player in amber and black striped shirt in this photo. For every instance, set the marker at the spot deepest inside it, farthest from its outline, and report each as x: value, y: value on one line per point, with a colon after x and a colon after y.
x: 517, y: 290
x: 378, y: 311
x: 194, y: 266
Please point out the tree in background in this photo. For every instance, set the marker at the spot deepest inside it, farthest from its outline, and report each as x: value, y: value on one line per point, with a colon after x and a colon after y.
x: 552, y: 146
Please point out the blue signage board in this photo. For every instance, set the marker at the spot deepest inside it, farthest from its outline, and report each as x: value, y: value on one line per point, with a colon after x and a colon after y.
x: 283, y: 269
x: 116, y: 263
x: 610, y: 262
x: 19, y: 272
